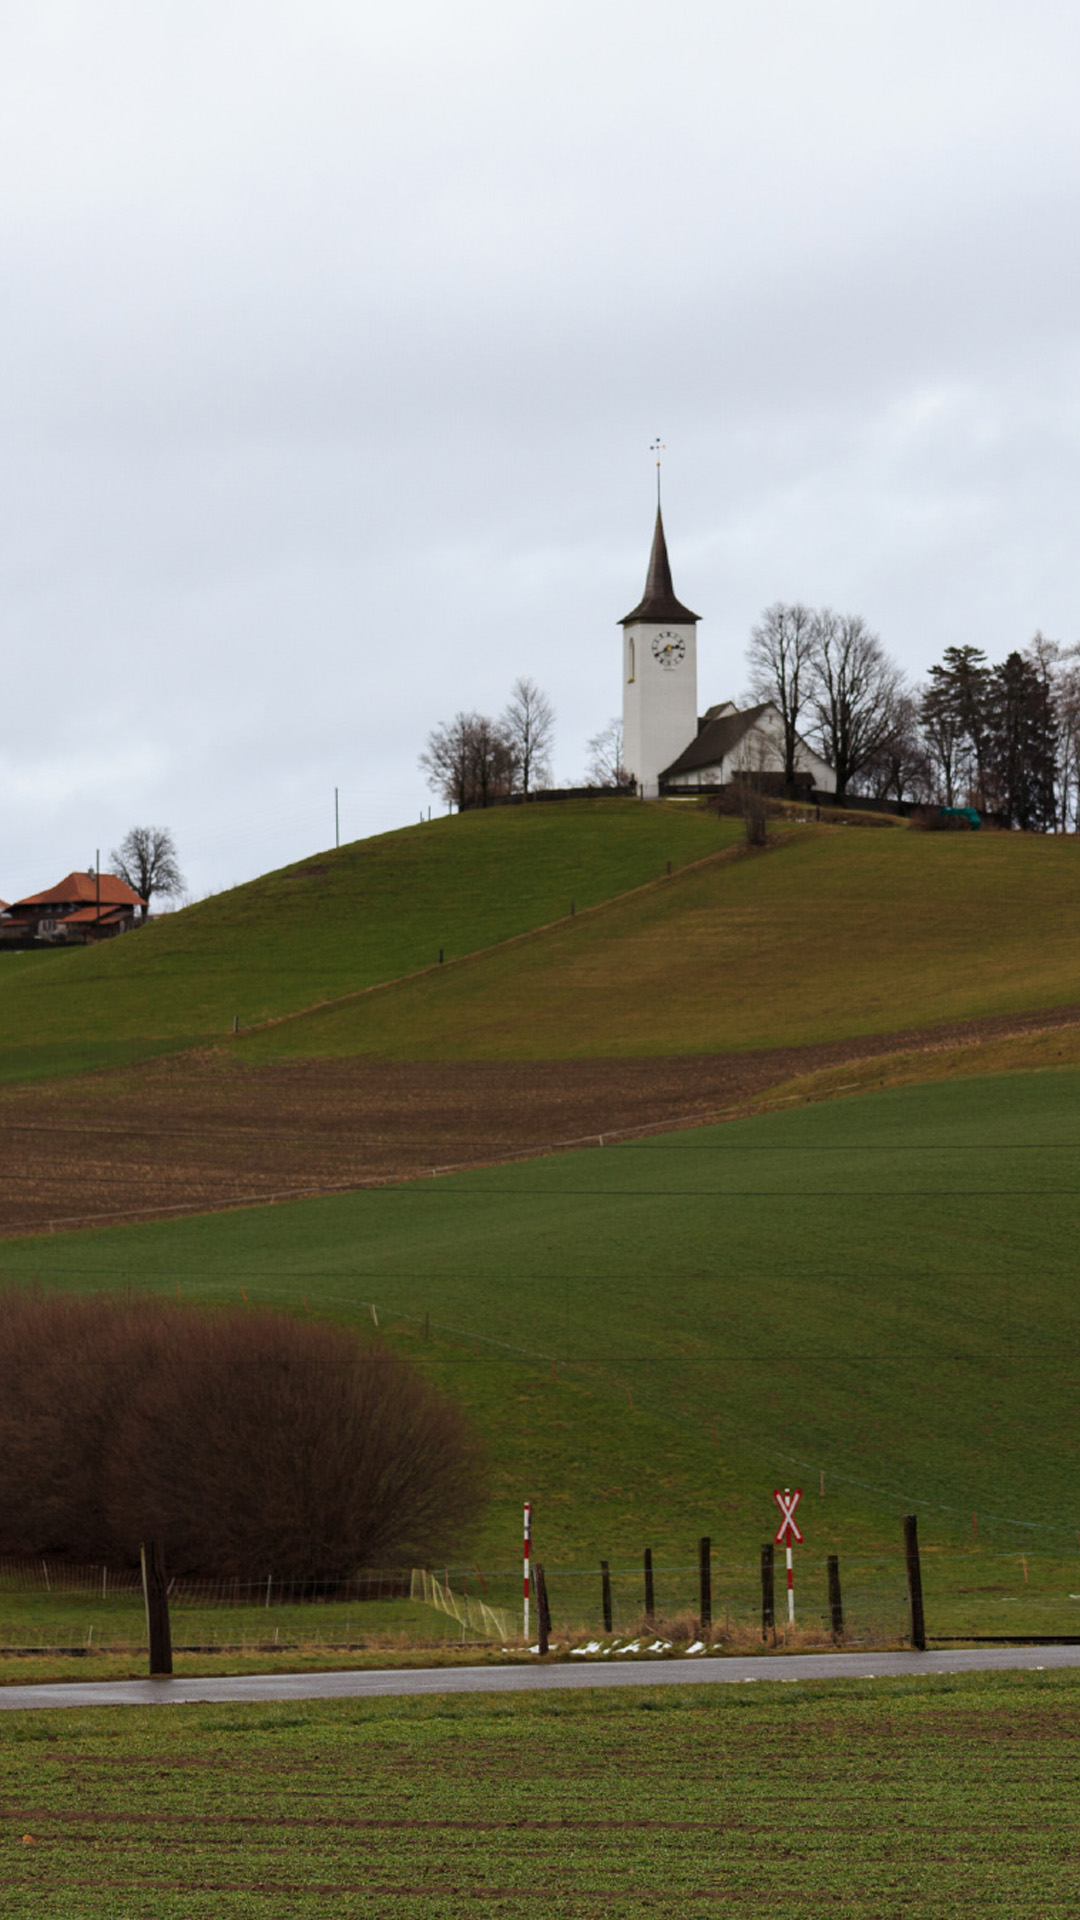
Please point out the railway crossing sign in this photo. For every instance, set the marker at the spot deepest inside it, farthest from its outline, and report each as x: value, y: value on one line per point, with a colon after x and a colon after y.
x: 788, y: 1530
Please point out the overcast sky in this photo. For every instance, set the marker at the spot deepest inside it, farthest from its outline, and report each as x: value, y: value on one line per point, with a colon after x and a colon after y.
x: 333, y: 338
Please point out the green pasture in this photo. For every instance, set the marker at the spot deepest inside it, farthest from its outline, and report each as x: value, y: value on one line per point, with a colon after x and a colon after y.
x: 881, y: 1291
x: 334, y: 923
x: 835, y: 932
x: 888, y: 1800
x: 88, y: 1621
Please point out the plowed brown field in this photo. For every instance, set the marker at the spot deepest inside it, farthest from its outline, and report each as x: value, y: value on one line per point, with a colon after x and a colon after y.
x: 199, y: 1131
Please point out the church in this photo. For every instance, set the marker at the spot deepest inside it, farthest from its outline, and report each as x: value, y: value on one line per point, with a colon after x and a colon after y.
x: 667, y: 746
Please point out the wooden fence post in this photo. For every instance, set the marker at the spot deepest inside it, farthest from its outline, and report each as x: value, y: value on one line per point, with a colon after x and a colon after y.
x: 542, y: 1607
x: 156, y: 1596
x: 650, y: 1598
x: 836, y: 1604
x: 705, y: 1582
x: 768, y: 1592
x: 914, y: 1582
x: 605, y: 1593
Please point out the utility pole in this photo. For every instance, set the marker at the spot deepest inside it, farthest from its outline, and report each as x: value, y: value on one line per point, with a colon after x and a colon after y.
x: 337, y: 828
x: 97, y: 883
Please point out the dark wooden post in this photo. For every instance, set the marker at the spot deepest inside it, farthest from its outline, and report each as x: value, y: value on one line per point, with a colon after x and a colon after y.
x: 542, y: 1607
x: 768, y: 1592
x: 156, y: 1596
x: 605, y: 1593
x: 650, y: 1598
x: 836, y: 1604
x: 914, y: 1582
x: 705, y: 1581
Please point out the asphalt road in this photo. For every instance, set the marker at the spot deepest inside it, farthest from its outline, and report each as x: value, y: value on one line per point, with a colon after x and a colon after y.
x: 526, y: 1679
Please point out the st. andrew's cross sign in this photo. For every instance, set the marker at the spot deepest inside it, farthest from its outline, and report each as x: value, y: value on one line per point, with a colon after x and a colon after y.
x: 788, y: 1529
x: 786, y: 1532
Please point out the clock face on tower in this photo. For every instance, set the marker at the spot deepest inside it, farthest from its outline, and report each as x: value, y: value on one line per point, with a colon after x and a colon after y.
x: 669, y: 649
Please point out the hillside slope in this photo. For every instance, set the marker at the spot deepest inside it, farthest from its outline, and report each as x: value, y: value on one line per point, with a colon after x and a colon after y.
x: 833, y: 933
x: 654, y: 1335
x: 343, y: 919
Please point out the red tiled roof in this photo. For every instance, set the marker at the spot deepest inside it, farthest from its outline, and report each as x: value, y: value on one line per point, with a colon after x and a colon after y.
x: 88, y: 915
x: 85, y: 886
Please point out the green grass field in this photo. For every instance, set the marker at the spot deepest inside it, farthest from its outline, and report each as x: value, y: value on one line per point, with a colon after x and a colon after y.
x: 837, y: 932
x: 886, y: 1800
x: 834, y: 933
x: 335, y: 923
x: 881, y: 1290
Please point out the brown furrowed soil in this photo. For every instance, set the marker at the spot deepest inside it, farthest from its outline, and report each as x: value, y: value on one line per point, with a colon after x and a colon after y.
x: 199, y: 1131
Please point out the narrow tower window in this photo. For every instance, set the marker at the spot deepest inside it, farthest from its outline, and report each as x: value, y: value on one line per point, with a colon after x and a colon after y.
x: 630, y: 658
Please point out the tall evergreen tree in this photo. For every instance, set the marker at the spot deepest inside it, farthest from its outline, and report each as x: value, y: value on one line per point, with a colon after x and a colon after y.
x: 1023, y: 745
x: 954, y: 718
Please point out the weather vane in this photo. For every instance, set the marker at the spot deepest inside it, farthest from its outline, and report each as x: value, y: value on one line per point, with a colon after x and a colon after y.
x: 657, y: 447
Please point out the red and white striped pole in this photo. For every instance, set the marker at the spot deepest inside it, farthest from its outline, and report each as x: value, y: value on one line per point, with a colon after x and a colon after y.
x: 790, y: 1586
x: 528, y: 1545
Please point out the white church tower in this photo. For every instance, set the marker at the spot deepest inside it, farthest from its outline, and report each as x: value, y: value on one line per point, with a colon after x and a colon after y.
x: 660, y: 715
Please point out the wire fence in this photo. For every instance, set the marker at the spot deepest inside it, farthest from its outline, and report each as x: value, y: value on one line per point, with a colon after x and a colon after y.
x: 49, y: 1602
x: 43, y: 1574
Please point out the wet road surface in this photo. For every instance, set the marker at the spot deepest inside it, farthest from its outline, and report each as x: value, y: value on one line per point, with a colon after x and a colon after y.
x: 257, y: 1687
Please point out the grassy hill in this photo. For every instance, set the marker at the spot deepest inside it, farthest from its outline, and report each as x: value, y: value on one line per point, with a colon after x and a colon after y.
x: 339, y: 921
x: 835, y: 933
x: 881, y: 1291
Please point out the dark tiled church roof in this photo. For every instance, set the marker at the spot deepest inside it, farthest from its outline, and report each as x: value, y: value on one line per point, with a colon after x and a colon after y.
x: 717, y: 738
x: 659, y: 603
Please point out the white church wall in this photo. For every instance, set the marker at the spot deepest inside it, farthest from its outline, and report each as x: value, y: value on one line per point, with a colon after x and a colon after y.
x: 659, y: 699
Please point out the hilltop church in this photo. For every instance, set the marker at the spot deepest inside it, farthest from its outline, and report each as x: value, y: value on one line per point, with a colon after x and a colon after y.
x: 665, y: 742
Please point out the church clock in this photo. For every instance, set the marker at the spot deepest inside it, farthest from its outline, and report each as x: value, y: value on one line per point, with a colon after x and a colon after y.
x: 669, y: 649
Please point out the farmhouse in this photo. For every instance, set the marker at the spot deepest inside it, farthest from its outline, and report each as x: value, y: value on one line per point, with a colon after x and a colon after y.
x: 667, y: 746
x: 81, y: 908
x: 731, y: 743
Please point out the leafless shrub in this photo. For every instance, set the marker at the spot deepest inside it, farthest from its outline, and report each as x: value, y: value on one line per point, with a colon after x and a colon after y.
x: 240, y: 1439
x: 754, y: 814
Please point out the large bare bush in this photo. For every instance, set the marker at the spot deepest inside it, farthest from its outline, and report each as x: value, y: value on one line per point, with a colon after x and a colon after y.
x: 245, y: 1441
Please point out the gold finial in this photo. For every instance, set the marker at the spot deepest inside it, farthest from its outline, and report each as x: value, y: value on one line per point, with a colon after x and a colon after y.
x: 657, y: 446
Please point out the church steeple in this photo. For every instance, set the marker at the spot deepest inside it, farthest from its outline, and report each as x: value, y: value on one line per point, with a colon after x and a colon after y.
x: 659, y: 604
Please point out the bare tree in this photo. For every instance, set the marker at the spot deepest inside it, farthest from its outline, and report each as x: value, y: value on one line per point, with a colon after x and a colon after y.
x: 469, y: 760
x: 1067, y: 697
x: 902, y: 767
x: 856, y: 694
x: 605, y: 768
x: 528, y: 725
x: 782, y: 652
x: 147, y: 859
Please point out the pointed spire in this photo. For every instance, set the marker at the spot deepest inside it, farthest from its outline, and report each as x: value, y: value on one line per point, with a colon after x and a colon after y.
x: 659, y: 604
